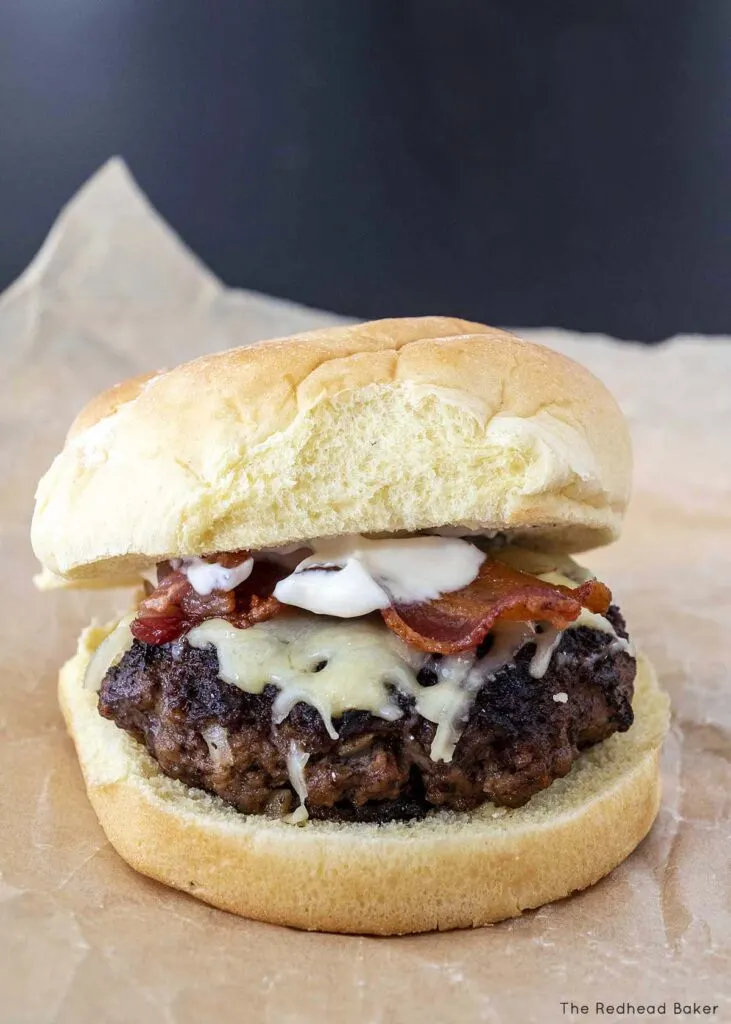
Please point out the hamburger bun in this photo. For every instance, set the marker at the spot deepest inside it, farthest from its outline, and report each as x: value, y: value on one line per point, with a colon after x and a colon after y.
x: 448, y: 870
x: 395, y: 425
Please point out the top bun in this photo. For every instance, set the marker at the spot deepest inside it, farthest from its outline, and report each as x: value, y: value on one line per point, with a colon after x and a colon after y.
x: 393, y: 425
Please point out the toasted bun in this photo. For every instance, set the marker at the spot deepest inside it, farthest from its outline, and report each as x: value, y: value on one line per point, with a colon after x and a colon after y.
x: 386, y: 426
x: 447, y: 871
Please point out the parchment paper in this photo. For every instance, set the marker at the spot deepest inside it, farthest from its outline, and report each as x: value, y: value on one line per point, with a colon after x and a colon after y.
x: 112, y: 293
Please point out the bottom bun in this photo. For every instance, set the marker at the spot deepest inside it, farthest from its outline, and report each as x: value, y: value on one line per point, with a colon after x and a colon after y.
x: 448, y: 870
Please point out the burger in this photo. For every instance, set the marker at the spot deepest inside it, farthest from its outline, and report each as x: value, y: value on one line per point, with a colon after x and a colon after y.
x: 363, y: 685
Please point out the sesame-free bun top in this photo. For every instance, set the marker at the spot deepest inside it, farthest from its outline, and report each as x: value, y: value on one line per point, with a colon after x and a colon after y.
x: 395, y: 425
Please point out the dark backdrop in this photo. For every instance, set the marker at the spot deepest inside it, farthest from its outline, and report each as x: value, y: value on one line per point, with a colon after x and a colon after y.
x: 523, y: 163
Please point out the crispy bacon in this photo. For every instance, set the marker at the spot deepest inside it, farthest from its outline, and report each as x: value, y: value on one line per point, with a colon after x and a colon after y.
x: 174, y: 607
x: 161, y: 630
x: 454, y: 622
x: 254, y: 600
x: 463, y: 618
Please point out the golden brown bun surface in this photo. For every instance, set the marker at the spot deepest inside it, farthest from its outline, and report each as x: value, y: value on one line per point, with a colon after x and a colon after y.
x: 393, y: 425
x: 447, y: 871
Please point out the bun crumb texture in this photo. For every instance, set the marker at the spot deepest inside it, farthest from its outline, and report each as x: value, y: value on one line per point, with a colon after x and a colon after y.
x: 394, y: 425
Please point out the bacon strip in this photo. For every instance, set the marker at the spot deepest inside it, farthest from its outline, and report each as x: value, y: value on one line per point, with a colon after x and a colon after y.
x: 463, y: 618
x: 454, y: 622
x: 174, y: 607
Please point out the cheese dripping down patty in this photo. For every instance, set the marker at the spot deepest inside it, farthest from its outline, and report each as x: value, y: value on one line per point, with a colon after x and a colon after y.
x: 359, y: 664
x: 338, y: 666
x: 297, y: 758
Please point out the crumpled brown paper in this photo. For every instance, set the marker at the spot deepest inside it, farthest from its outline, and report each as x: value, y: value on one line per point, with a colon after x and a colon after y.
x: 113, y: 293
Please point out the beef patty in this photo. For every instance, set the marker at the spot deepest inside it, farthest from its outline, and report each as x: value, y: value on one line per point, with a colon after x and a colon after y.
x: 517, y: 740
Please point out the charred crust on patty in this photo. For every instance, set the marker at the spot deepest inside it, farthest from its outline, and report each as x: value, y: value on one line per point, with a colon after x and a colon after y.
x: 516, y: 741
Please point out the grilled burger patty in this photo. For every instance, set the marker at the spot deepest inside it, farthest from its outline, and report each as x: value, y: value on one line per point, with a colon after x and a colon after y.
x: 517, y: 740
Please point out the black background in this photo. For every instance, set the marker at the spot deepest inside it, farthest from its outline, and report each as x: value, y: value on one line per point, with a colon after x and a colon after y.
x: 523, y: 163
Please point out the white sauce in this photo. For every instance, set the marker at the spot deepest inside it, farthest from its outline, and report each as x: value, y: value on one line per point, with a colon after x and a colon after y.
x: 352, y: 576
x: 348, y: 592
x: 205, y: 577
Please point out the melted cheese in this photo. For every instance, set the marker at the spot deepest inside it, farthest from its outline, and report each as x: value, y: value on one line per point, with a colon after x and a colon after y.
x: 552, y: 567
x: 591, y: 620
x: 150, y: 575
x: 337, y: 667
x: 448, y: 702
x: 296, y: 761
x: 560, y: 579
x: 546, y: 643
x: 334, y: 666
x: 109, y: 653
